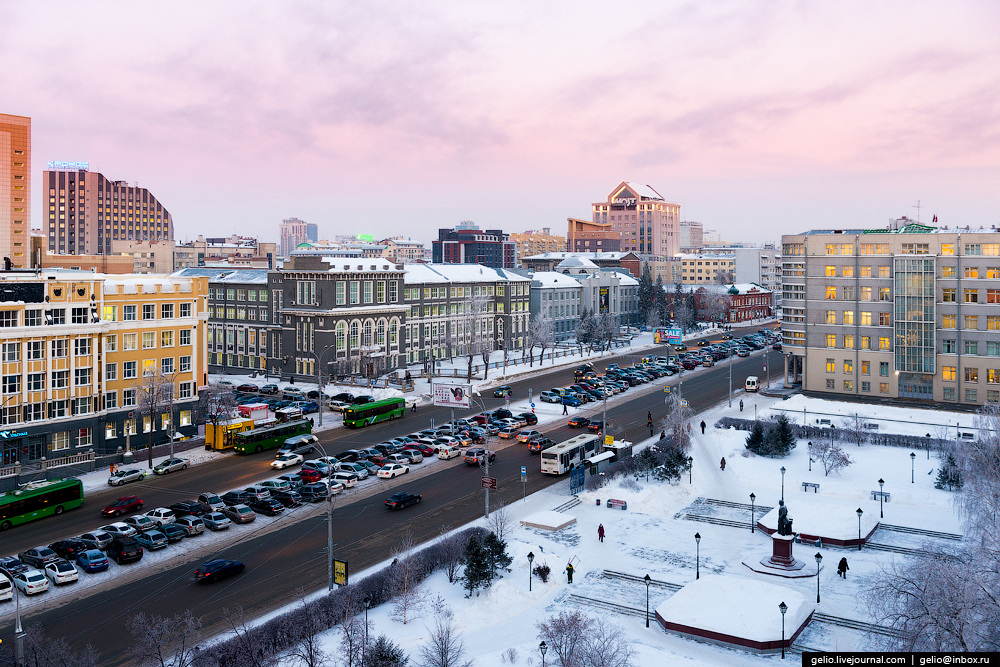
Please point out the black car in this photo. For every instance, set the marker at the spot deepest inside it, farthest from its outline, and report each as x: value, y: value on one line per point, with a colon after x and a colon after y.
x: 500, y: 392
x: 268, y: 506
x: 530, y: 418
x: 70, y: 548
x: 398, y: 501
x: 360, y: 400
x: 345, y: 397
x: 124, y: 550
x: 10, y: 565
x: 596, y: 425
x: 186, y: 508
x: 351, y: 455
x: 502, y: 413
x: 313, y: 493
x: 214, y: 570
x: 173, y: 533
x: 287, y: 498
x: 231, y: 498
x: 313, y: 394
x: 702, y: 343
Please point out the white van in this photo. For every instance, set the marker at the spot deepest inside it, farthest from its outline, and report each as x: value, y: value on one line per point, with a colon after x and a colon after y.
x: 751, y: 384
x: 6, y: 590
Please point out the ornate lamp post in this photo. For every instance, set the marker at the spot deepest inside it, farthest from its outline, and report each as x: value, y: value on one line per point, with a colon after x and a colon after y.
x: 819, y: 559
x: 913, y: 458
x: 367, y: 602
x: 697, y: 561
x: 543, y: 648
x: 809, y: 446
x: 531, y: 558
x: 647, y: 580
x: 784, y: 608
x: 859, y: 513
x: 782, y: 482
x: 752, y: 499
x: 690, y: 465
x: 881, y: 495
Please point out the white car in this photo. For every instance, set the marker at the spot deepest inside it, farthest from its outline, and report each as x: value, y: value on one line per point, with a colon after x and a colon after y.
x: 356, y: 468
x: 338, y: 406
x: 447, y: 452
x: 216, y: 521
x: 119, y: 529
x: 61, y: 572
x: 276, y: 485
x: 390, y: 470
x: 31, y: 582
x: 348, y: 479
x: 6, y: 588
x: 287, y: 460
x: 161, y: 515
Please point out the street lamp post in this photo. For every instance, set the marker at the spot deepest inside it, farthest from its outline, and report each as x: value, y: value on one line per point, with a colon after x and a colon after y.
x: 319, y: 378
x: 647, y: 580
x: 329, y: 531
x: 881, y: 495
x: 809, y: 448
x: 928, y: 446
x: 782, y: 482
x: 913, y: 458
x: 367, y: 602
x: 819, y: 559
x: 531, y: 558
x: 859, y: 513
x: 784, y: 608
x: 690, y: 465
x: 752, y: 499
x: 543, y: 647
x: 19, y: 632
x: 697, y: 557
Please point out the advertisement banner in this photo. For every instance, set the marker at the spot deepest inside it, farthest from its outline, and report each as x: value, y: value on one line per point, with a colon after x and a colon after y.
x: 605, y: 302
x: 451, y: 395
x: 340, y: 572
x: 663, y: 335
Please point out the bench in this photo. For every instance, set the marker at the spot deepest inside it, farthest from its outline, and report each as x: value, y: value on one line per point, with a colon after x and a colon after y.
x: 617, y: 503
x: 810, y: 485
x: 885, y: 495
x: 809, y: 539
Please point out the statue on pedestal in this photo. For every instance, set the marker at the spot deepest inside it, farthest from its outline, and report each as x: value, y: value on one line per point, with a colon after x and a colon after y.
x: 784, y: 523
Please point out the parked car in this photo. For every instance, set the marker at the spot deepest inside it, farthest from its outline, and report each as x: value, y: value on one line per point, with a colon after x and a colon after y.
x: 214, y: 570
x: 412, y: 456
x: 31, y: 582
x: 529, y: 418
x: 239, y: 514
x: 246, y: 387
x: 391, y: 470
x: 161, y: 515
x: 69, y: 548
x: 509, y: 432
x: 122, y: 506
x: 216, y: 521
x: 124, y: 550
x: 348, y: 479
x: 338, y: 406
x: 578, y: 422
x: 422, y: 447
x: 448, y: 452
x: 313, y: 493
x: 257, y: 492
x: 352, y: 455
x: 173, y: 532
x: 356, y: 468
x: 6, y: 588
x: 398, y: 501
x: 126, y: 476
x: 315, y: 464
x: 98, y: 539
x: 476, y: 455
x: 370, y: 466
x: 287, y: 498
x: 152, y: 539
x: 269, y: 389
x: 525, y: 436
x: 345, y: 397
x: 267, y: 506
x: 571, y: 401
x: 192, y: 525
x: 231, y: 498
x: 361, y: 400
x: 211, y: 502
x: 141, y: 523
x: 171, y: 465
x: 119, y: 529
x: 273, y: 484
x: 11, y: 565
x: 92, y: 560
x: 308, y: 475
x: 38, y: 557
x: 550, y: 397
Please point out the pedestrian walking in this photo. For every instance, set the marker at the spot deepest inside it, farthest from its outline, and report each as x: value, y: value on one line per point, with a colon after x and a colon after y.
x: 663, y: 434
x: 600, y: 532
x: 565, y: 411
x: 413, y: 408
x: 842, y: 568
x: 722, y: 464
x: 741, y: 405
x: 703, y: 427
x: 569, y: 572
x: 689, y: 428
x: 111, y: 468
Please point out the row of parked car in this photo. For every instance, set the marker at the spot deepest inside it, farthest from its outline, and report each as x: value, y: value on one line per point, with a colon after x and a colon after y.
x: 709, y: 353
x: 292, y: 396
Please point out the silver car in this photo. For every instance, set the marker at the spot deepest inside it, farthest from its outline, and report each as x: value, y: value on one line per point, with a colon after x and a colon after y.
x: 191, y: 524
x: 97, y: 539
x: 171, y: 465
x: 216, y: 521
x: 126, y: 476
x: 240, y: 513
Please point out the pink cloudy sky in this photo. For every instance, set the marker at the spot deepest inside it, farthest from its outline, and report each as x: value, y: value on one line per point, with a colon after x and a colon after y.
x: 759, y: 118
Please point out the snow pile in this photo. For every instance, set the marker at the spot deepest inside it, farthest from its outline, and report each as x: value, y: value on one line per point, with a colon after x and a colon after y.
x: 832, y: 519
x: 548, y: 520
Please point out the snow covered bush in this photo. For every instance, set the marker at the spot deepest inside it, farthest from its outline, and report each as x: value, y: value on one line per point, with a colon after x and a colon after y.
x: 542, y: 571
x: 831, y: 456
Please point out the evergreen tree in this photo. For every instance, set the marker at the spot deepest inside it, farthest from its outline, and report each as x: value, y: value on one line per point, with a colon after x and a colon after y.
x: 677, y: 306
x: 647, y: 297
x: 660, y: 299
x: 645, y: 461
x: 496, y: 554
x: 782, y: 438
x: 692, y: 311
x: 949, y: 475
x: 384, y: 653
x: 673, y: 463
x: 478, y: 572
x: 755, y: 441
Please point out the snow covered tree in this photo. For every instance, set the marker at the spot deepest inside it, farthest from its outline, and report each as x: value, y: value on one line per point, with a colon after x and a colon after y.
x: 496, y: 554
x: 543, y: 334
x: 949, y: 475
x: 755, y: 441
x: 477, y: 566
x: 565, y: 635
x: 831, y: 456
x: 163, y: 642
x: 854, y: 429
x: 444, y: 647
x: 384, y: 653
x: 606, y: 645
x: 647, y: 298
x: 779, y: 439
x: 672, y: 462
x: 676, y: 421
x: 409, y: 599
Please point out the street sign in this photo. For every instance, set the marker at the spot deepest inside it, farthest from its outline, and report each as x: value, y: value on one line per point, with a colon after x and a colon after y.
x: 524, y: 470
x: 532, y: 405
x: 340, y: 572
x: 666, y: 390
x: 684, y: 403
x: 490, y: 483
x: 609, y: 440
x: 524, y: 474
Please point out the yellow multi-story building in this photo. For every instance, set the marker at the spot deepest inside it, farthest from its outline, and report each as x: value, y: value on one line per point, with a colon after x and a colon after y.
x: 538, y: 242
x: 77, y: 348
x: 711, y: 269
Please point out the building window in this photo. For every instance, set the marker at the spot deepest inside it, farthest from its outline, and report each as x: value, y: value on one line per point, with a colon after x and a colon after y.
x: 81, y: 377
x: 831, y: 366
x: 883, y: 387
x: 166, y: 311
x: 32, y: 318
x: 831, y: 383
x: 148, y: 340
x: 356, y: 297
x: 866, y: 293
x: 883, y: 368
x: 971, y: 296
x: 60, y: 440
x: 885, y: 319
x: 184, y: 310
x: 167, y: 365
x: 948, y: 393
x: 993, y: 322
x: 129, y: 370
x: 972, y: 347
x: 972, y: 375
x: 81, y: 406
x: 831, y: 317
x: 970, y: 395
x: 831, y: 292
x: 866, y: 386
x: 848, y: 317
x: 110, y: 400
x: 948, y: 272
x: 185, y: 417
x: 866, y: 319
x: 81, y: 347
x: 993, y: 376
x: 57, y: 316
x: 971, y: 321
x: 948, y: 294
x: 129, y: 313
x: 992, y: 396
x: 185, y: 337
x: 948, y: 346
x: 848, y: 366
x: 831, y: 271
x: 866, y: 342
x: 831, y: 340
x: 865, y: 368
x: 130, y: 342
x: 166, y: 339
x: 884, y: 294
x: 848, y: 385
x: 948, y: 373
x: 947, y: 321
x: 11, y: 352
x: 111, y: 343
x: 110, y: 371
x: 993, y: 348
x: 149, y: 311
x: 110, y: 430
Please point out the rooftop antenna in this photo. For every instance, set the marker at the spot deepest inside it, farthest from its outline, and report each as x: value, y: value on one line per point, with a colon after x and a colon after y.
x: 918, y: 210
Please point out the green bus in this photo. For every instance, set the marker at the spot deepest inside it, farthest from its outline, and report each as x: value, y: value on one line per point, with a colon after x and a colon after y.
x: 269, y: 437
x: 39, y: 499
x: 366, y: 414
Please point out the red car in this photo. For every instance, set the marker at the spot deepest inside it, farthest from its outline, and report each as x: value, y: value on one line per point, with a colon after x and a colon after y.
x: 122, y: 505
x: 480, y: 419
x: 308, y: 475
x: 425, y: 450
x: 247, y: 388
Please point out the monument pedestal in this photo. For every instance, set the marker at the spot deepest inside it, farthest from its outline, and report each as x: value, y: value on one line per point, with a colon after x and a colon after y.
x: 781, y: 562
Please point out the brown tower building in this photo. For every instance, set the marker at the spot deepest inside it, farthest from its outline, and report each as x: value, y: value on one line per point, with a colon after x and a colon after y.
x: 15, y: 188
x: 87, y: 212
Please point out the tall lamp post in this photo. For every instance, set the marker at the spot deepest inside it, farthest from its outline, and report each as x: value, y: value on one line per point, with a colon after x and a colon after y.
x: 367, y: 602
x: 19, y: 632
x: 697, y: 557
x: 752, y: 499
x: 782, y: 482
x: 819, y: 559
x: 881, y: 495
x: 783, y: 608
x: 329, y: 532
x: 647, y: 580
x: 690, y: 465
x: 542, y: 648
x: 913, y: 459
x: 319, y: 378
x: 531, y: 558
x: 809, y: 448
x: 859, y: 513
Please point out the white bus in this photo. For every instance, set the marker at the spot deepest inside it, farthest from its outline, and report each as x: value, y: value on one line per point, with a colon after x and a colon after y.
x: 558, y: 459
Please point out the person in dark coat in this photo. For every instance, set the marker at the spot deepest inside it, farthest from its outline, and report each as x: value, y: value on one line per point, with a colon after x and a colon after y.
x: 569, y: 573
x: 722, y: 464
x: 842, y: 568
x: 600, y: 532
x: 703, y: 427
x: 565, y: 411
x: 663, y: 434
x: 741, y: 405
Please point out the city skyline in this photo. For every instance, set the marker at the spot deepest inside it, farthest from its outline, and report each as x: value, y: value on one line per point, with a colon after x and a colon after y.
x: 758, y: 120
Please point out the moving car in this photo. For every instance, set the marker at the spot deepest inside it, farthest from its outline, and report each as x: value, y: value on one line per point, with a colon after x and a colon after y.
x: 525, y: 436
x: 239, y: 514
x: 398, y: 501
x: 31, y: 582
x: 92, y: 560
x: 390, y: 470
x: 505, y: 390
x: 509, y: 432
x: 536, y: 445
x: 171, y: 465
x: 124, y: 550
x: 122, y: 505
x: 578, y: 422
x: 214, y: 570
x: 287, y: 460
x: 477, y: 455
x: 596, y: 426
x: 126, y: 476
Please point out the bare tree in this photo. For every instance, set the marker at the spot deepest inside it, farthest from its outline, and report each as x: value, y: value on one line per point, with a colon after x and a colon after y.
x: 409, y: 598
x: 452, y: 549
x: 164, y: 642
x: 542, y: 335
x: 444, y: 647
x: 501, y: 522
x: 831, y: 456
x: 216, y: 404
x: 606, y: 645
x: 471, y: 336
x: 41, y: 650
x: 854, y: 428
x: 352, y: 639
x: 308, y: 650
x: 154, y: 395
x: 486, y: 351
x: 249, y: 652
x: 676, y: 421
x: 565, y: 634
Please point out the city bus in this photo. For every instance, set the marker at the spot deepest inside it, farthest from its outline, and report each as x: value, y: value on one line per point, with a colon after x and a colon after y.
x: 558, y: 459
x: 257, y: 440
x: 367, y: 414
x: 39, y: 499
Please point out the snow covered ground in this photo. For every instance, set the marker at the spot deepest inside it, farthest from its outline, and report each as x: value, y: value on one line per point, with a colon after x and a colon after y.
x: 653, y: 537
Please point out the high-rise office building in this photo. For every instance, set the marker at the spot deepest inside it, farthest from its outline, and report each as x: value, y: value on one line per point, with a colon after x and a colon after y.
x: 649, y: 225
x: 15, y: 189
x: 312, y: 231
x: 88, y: 213
x: 467, y: 244
x: 292, y: 232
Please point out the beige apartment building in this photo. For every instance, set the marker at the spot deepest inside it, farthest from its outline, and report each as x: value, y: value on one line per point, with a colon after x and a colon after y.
x: 909, y: 311
x: 536, y: 242
x: 707, y: 269
x: 15, y: 188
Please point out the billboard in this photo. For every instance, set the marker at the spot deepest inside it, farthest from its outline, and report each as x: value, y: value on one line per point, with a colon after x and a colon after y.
x: 603, y: 307
x: 340, y: 572
x: 664, y: 335
x: 451, y: 395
